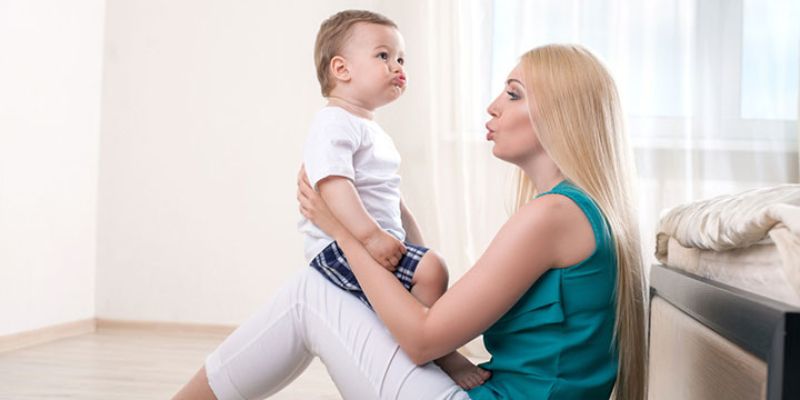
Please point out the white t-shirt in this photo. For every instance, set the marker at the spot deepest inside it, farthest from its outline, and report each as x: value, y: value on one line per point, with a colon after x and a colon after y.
x: 342, y: 144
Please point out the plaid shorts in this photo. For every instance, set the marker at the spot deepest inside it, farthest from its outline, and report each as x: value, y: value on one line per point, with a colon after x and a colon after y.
x: 331, y: 263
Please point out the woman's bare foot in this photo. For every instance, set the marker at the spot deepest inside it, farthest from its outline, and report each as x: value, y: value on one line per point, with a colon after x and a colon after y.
x: 463, y: 371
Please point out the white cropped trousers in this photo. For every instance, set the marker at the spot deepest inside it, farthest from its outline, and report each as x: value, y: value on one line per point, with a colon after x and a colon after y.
x: 310, y: 317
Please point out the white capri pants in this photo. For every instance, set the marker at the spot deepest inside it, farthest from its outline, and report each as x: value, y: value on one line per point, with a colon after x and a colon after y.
x: 311, y: 317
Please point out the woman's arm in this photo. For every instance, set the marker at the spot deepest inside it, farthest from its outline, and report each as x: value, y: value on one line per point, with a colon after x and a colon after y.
x: 515, y: 259
x: 529, y: 244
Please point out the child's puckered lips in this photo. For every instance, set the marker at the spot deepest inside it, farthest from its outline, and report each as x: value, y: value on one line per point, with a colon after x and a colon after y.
x: 399, y: 80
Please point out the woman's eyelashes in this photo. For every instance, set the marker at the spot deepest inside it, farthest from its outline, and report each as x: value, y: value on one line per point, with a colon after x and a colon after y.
x: 512, y: 95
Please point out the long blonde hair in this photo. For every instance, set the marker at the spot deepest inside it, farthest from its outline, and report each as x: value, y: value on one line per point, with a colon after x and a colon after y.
x: 579, y: 123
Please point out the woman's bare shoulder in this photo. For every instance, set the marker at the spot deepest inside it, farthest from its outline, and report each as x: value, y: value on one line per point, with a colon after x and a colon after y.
x: 568, y: 227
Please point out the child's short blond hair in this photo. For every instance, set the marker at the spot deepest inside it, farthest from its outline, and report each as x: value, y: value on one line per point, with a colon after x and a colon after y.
x: 332, y: 35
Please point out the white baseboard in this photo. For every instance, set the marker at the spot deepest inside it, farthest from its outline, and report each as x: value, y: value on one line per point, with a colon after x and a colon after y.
x: 164, y: 327
x: 47, y: 334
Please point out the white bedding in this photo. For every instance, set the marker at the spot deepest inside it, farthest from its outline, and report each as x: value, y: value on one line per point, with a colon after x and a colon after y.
x: 757, y: 268
x: 749, y: 240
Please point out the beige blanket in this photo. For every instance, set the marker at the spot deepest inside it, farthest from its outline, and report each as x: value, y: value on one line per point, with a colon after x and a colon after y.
x: 737, y: 221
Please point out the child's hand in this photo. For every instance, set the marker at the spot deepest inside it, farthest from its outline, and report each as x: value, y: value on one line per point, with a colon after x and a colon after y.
x: 385, y: 249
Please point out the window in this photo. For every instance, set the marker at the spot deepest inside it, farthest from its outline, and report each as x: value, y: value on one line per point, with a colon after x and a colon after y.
x: 721, y: 72
x: 770, y: 69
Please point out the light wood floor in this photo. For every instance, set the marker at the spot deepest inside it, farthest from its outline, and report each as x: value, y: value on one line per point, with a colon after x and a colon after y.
x: 126, y: 364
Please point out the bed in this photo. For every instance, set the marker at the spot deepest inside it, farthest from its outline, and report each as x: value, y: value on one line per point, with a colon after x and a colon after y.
x: 725, y: 300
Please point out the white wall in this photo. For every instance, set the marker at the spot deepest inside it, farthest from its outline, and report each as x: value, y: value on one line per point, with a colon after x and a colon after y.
x: 50, y: 70
x: 206, y: 108
x: 178, y: 204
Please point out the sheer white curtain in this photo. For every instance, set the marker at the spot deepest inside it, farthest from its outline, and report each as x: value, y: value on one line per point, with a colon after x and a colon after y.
x: 709, y: 91
x: 469, y: 185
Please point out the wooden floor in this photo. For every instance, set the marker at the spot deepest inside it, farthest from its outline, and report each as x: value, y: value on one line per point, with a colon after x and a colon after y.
x: 126, y: 364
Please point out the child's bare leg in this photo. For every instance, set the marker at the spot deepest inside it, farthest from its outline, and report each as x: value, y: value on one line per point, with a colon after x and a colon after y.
x: 430, y: 279
x: 428, y: 284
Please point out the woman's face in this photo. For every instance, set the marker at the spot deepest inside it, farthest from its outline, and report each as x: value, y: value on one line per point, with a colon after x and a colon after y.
x: 515, y: 139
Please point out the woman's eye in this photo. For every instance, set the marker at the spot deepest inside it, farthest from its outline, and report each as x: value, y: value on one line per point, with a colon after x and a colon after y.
x: 512, y: 95
x: 383, y: 56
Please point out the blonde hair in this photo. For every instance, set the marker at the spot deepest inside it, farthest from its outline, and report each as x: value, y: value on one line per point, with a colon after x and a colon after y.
x: 332, y: 35
x: 579, y: 124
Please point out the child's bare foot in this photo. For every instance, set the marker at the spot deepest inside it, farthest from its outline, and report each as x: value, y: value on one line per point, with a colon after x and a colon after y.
x: 463, y: 371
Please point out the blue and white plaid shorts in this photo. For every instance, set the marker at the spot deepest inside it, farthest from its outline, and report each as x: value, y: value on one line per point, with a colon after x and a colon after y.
x: 332, y: 264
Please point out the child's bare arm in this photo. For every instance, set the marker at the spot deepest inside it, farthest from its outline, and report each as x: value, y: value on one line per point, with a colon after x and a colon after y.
x: 342, y: 198
x: 413, y: 233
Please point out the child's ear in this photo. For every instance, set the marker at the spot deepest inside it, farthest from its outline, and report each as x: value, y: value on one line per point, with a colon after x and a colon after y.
x: 339, y: 69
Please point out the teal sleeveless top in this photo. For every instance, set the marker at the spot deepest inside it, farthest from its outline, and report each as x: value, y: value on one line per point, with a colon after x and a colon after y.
x: 557, y: 341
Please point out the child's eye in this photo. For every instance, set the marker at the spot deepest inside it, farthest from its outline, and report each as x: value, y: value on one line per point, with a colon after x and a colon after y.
x: 512, y: 95
x: 383, y: 55
x: 401, y: 61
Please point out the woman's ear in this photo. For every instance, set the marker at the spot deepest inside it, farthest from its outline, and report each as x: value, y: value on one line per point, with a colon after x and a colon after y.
x: 339, y: 69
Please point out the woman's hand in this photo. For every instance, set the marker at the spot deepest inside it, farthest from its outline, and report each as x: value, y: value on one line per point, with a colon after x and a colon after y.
x: 313, y: 207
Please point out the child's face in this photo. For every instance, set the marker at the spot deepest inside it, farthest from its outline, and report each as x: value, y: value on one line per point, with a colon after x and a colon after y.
x: 375, y: 56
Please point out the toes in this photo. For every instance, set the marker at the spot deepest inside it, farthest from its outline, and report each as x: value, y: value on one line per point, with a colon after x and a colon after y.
x: 475, y: 381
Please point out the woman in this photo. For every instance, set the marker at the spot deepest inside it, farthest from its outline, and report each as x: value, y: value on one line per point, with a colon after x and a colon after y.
x: 558, y: 294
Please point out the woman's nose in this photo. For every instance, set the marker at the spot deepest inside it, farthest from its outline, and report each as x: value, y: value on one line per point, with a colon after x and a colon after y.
x: 492, y: 109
